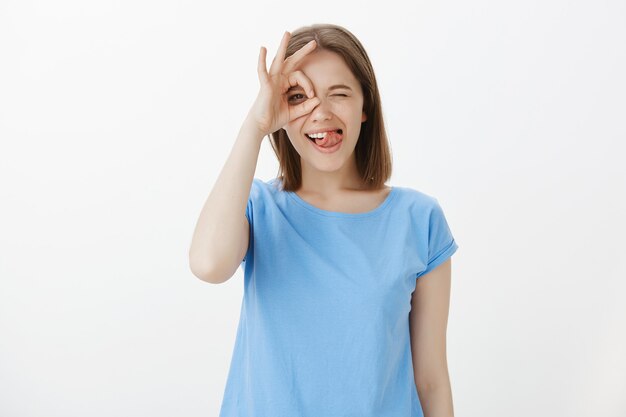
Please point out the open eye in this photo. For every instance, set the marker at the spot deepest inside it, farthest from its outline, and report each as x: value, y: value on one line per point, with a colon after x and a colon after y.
x: 295, y: 95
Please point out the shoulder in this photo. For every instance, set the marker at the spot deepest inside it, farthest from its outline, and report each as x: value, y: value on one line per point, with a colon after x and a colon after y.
x: 424, y: 210
x: 262, y: 187
x: 416, y: 199
x: 263, y: 191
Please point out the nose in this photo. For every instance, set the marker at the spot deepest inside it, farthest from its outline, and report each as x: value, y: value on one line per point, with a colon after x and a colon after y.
x: 321, y: 111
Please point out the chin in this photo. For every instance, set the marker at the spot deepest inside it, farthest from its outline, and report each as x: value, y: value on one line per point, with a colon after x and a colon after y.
x: 327, y: 166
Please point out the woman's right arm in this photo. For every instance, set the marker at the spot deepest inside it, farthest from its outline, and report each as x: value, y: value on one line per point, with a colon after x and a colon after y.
x: 220, y: 239
x: 216, y: 251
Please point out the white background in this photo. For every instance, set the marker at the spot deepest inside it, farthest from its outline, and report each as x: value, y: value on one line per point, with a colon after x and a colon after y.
x: 117, y: 116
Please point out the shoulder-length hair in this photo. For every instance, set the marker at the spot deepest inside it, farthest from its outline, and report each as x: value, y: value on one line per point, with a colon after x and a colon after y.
x: 372, y: 151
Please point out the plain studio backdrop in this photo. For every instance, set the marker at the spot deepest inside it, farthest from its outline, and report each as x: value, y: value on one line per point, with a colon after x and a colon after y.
x: 117, y: 117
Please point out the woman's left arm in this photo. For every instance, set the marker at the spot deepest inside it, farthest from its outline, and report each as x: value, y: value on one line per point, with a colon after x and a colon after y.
x: 428, y: 321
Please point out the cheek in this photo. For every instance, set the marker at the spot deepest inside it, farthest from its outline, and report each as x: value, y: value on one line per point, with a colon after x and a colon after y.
x: 293, y: 137
x: 347, y: 109
x: 294, y: 126
x: 288, y: 128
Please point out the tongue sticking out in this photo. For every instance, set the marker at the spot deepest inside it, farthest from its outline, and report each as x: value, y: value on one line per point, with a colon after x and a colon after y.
x: 331, y: 139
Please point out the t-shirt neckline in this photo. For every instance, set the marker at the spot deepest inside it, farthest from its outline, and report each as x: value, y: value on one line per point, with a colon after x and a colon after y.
x: 381, y: 207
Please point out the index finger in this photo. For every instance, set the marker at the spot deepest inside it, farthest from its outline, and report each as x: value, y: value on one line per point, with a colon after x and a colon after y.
x: 277, y: 62
x: 292, y: 61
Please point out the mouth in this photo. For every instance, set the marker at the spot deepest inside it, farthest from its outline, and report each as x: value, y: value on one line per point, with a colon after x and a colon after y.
x: 327, y: 142
x: 324, y: 139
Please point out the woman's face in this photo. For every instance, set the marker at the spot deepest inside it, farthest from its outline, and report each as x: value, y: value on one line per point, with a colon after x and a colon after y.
x: 339, y: 108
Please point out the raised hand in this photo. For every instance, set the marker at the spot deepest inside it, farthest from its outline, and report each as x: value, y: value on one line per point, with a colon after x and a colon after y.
x: 271, y: 109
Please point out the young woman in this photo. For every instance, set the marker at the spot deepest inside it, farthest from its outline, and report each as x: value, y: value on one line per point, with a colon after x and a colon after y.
x: 346, y: 280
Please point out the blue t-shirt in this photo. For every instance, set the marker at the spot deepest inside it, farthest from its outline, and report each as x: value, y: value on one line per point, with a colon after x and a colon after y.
x: 324, y: 325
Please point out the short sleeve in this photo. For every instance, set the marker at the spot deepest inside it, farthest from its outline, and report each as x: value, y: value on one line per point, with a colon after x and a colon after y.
x: 250, y: 217
x: 441, y: 243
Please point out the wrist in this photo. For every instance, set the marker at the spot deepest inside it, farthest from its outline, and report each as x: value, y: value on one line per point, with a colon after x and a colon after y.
x: 251, y: 128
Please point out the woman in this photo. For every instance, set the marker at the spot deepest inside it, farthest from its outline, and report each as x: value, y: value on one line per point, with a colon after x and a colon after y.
x: 346, y: 280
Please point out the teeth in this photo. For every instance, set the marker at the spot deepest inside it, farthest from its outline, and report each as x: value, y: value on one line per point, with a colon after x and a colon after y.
x: 317, y: 135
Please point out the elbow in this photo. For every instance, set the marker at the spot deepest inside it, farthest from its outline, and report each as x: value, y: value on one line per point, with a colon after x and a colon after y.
x: 433, y: 383
x: 207, y: 272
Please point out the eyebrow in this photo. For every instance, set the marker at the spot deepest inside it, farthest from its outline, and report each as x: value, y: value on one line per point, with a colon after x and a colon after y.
x: 332, y: 87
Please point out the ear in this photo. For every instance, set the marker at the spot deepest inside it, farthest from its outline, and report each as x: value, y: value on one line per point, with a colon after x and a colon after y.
x: 363, y: 117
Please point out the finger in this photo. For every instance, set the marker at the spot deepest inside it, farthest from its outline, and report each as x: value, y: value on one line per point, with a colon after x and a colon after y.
x: 277, y: 62
x: 297, y: 78
x: 292, y: 61
x: 261, y: 67
x: 303, y: 108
